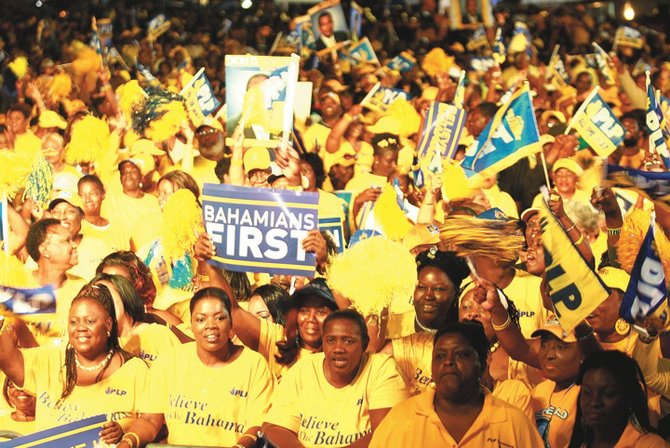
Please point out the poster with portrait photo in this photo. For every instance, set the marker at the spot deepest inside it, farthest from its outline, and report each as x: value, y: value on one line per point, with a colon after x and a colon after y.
x: 468, y: 14
x: 258, y: 97
x: 329, y: 24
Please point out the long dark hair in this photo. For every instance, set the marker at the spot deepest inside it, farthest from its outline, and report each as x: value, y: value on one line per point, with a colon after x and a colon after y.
x: 132, y: 304
x: 630, y: 379
x: 101, y: 294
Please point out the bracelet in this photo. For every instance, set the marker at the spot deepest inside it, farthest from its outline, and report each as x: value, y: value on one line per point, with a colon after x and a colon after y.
x: 614, y: 232
x: 133, y: 443
x: 580, y: 240
x: 252, y: 437
x: 504, y: 325
x: 569, y: 228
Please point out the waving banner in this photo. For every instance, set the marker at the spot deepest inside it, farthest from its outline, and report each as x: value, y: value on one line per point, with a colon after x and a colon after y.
x: 260, y: 229
x: 597, y: 125
x: 28, y: 301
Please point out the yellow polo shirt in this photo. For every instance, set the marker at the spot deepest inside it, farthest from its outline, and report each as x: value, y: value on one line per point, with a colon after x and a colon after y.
x: 208, y: 406
x: 118, y: 394
x: 633, y: 437
x: 414, y: 423
x: 323, y: 415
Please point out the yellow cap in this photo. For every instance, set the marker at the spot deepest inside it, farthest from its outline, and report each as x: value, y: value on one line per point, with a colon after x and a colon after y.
x: 614, y: 278
x: 256, y: 158
x: 50, y: 119
x: 569, y: 165
x: 553, y: 326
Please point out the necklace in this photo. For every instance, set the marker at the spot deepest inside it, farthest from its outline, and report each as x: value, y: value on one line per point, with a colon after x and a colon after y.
x: 424, y: 328
x: 98, y: 366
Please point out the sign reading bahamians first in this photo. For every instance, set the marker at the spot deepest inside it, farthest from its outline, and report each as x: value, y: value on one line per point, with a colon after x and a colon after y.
x: 260, y: 229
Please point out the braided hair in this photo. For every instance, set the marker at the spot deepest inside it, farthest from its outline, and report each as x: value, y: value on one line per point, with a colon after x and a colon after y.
x: 102, y: 295
x: 140, y: 276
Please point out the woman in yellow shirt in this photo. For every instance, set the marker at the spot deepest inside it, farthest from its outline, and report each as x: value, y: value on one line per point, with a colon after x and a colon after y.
x: 92, y: 376
x: 613, y: 404
x: 145, y: 340
x: 210, y: 392
x: 336, y: 398
x: 457, y: 412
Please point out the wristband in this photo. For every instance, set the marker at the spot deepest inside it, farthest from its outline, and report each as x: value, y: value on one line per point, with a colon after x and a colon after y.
x: 504, y: 325
x: 614, y: 232
x: 135, y: 443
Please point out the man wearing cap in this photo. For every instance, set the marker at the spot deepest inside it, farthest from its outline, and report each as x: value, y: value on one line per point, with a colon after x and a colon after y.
x: 68, y: 209
x: 257, y: 167
x: 340, y: 173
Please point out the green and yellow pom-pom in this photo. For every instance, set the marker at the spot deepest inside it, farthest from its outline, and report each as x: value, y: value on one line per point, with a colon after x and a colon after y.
x: 167, y: 124
x: 40, y: 182
x: 131, y: 96
x: 19, y: 67
x: 182, y: 222
x: 468, y: 236
x: 89, y: 140
x: 21, y: 162
x: 373, y: 275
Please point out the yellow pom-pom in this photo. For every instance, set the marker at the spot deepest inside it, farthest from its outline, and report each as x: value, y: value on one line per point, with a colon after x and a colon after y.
x: 13, y: 273
x: 89, y: 140
x: 87, y: 61
x: 374, y: 274
x: 436, y: 61
x: 454, y: 182
x: 182, y: 222
x: 19, y: 66
x: 131, y: 95
x: 61, y: 86
x: 168, y: 124
x: 408, y: 117
x: 21, y: 161
x: 389, y: 216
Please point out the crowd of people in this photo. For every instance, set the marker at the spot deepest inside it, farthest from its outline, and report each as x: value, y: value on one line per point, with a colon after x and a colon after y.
x: 435, y: 325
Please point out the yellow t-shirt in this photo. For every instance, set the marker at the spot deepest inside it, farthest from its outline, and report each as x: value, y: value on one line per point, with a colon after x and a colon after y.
x: 203, y: 171
x: 323, y: 415
x: 414, y: 423
x: 414, y: 355
x: 555, y: 413
x: 23, y: 428
x: 208, y: 406
x: 149, y: 341
x: 634, y: 438
x: 267, y: 346
x: 118, y: 394
x: 90, y: 251
x: 114, y: 235
x: 140, y: 217
x: 51, y: 328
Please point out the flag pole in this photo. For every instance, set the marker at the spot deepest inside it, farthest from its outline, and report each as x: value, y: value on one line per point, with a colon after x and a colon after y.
x: 544, y: 168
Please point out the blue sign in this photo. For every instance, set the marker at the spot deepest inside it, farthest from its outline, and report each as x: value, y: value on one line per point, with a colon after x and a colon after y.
x: 335, y: 228
x: 260, y: 229
x: 82, y: 434
x: 28, y: 301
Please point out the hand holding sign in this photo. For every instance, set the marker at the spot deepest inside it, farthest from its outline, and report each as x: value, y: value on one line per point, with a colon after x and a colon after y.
x: 111, y: 432
x: 556, y: 204
x: 315, y: 243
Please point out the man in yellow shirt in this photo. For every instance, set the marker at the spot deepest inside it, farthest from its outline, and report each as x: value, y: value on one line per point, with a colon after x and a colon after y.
x: 457, y: 413
x: 92, y: 194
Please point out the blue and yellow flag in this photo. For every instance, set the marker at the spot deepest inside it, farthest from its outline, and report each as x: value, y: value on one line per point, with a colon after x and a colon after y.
x: 511, y: 135
x: 574, y: 288
x: 658, y: 128
x: 199, y: 98
x: 441, y: 131
x: 628, y: 37
x: 597, y: 125
x: 646, y: 292
x: 602, y: 62
x: 499, y: 52
x: 355, y: 21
